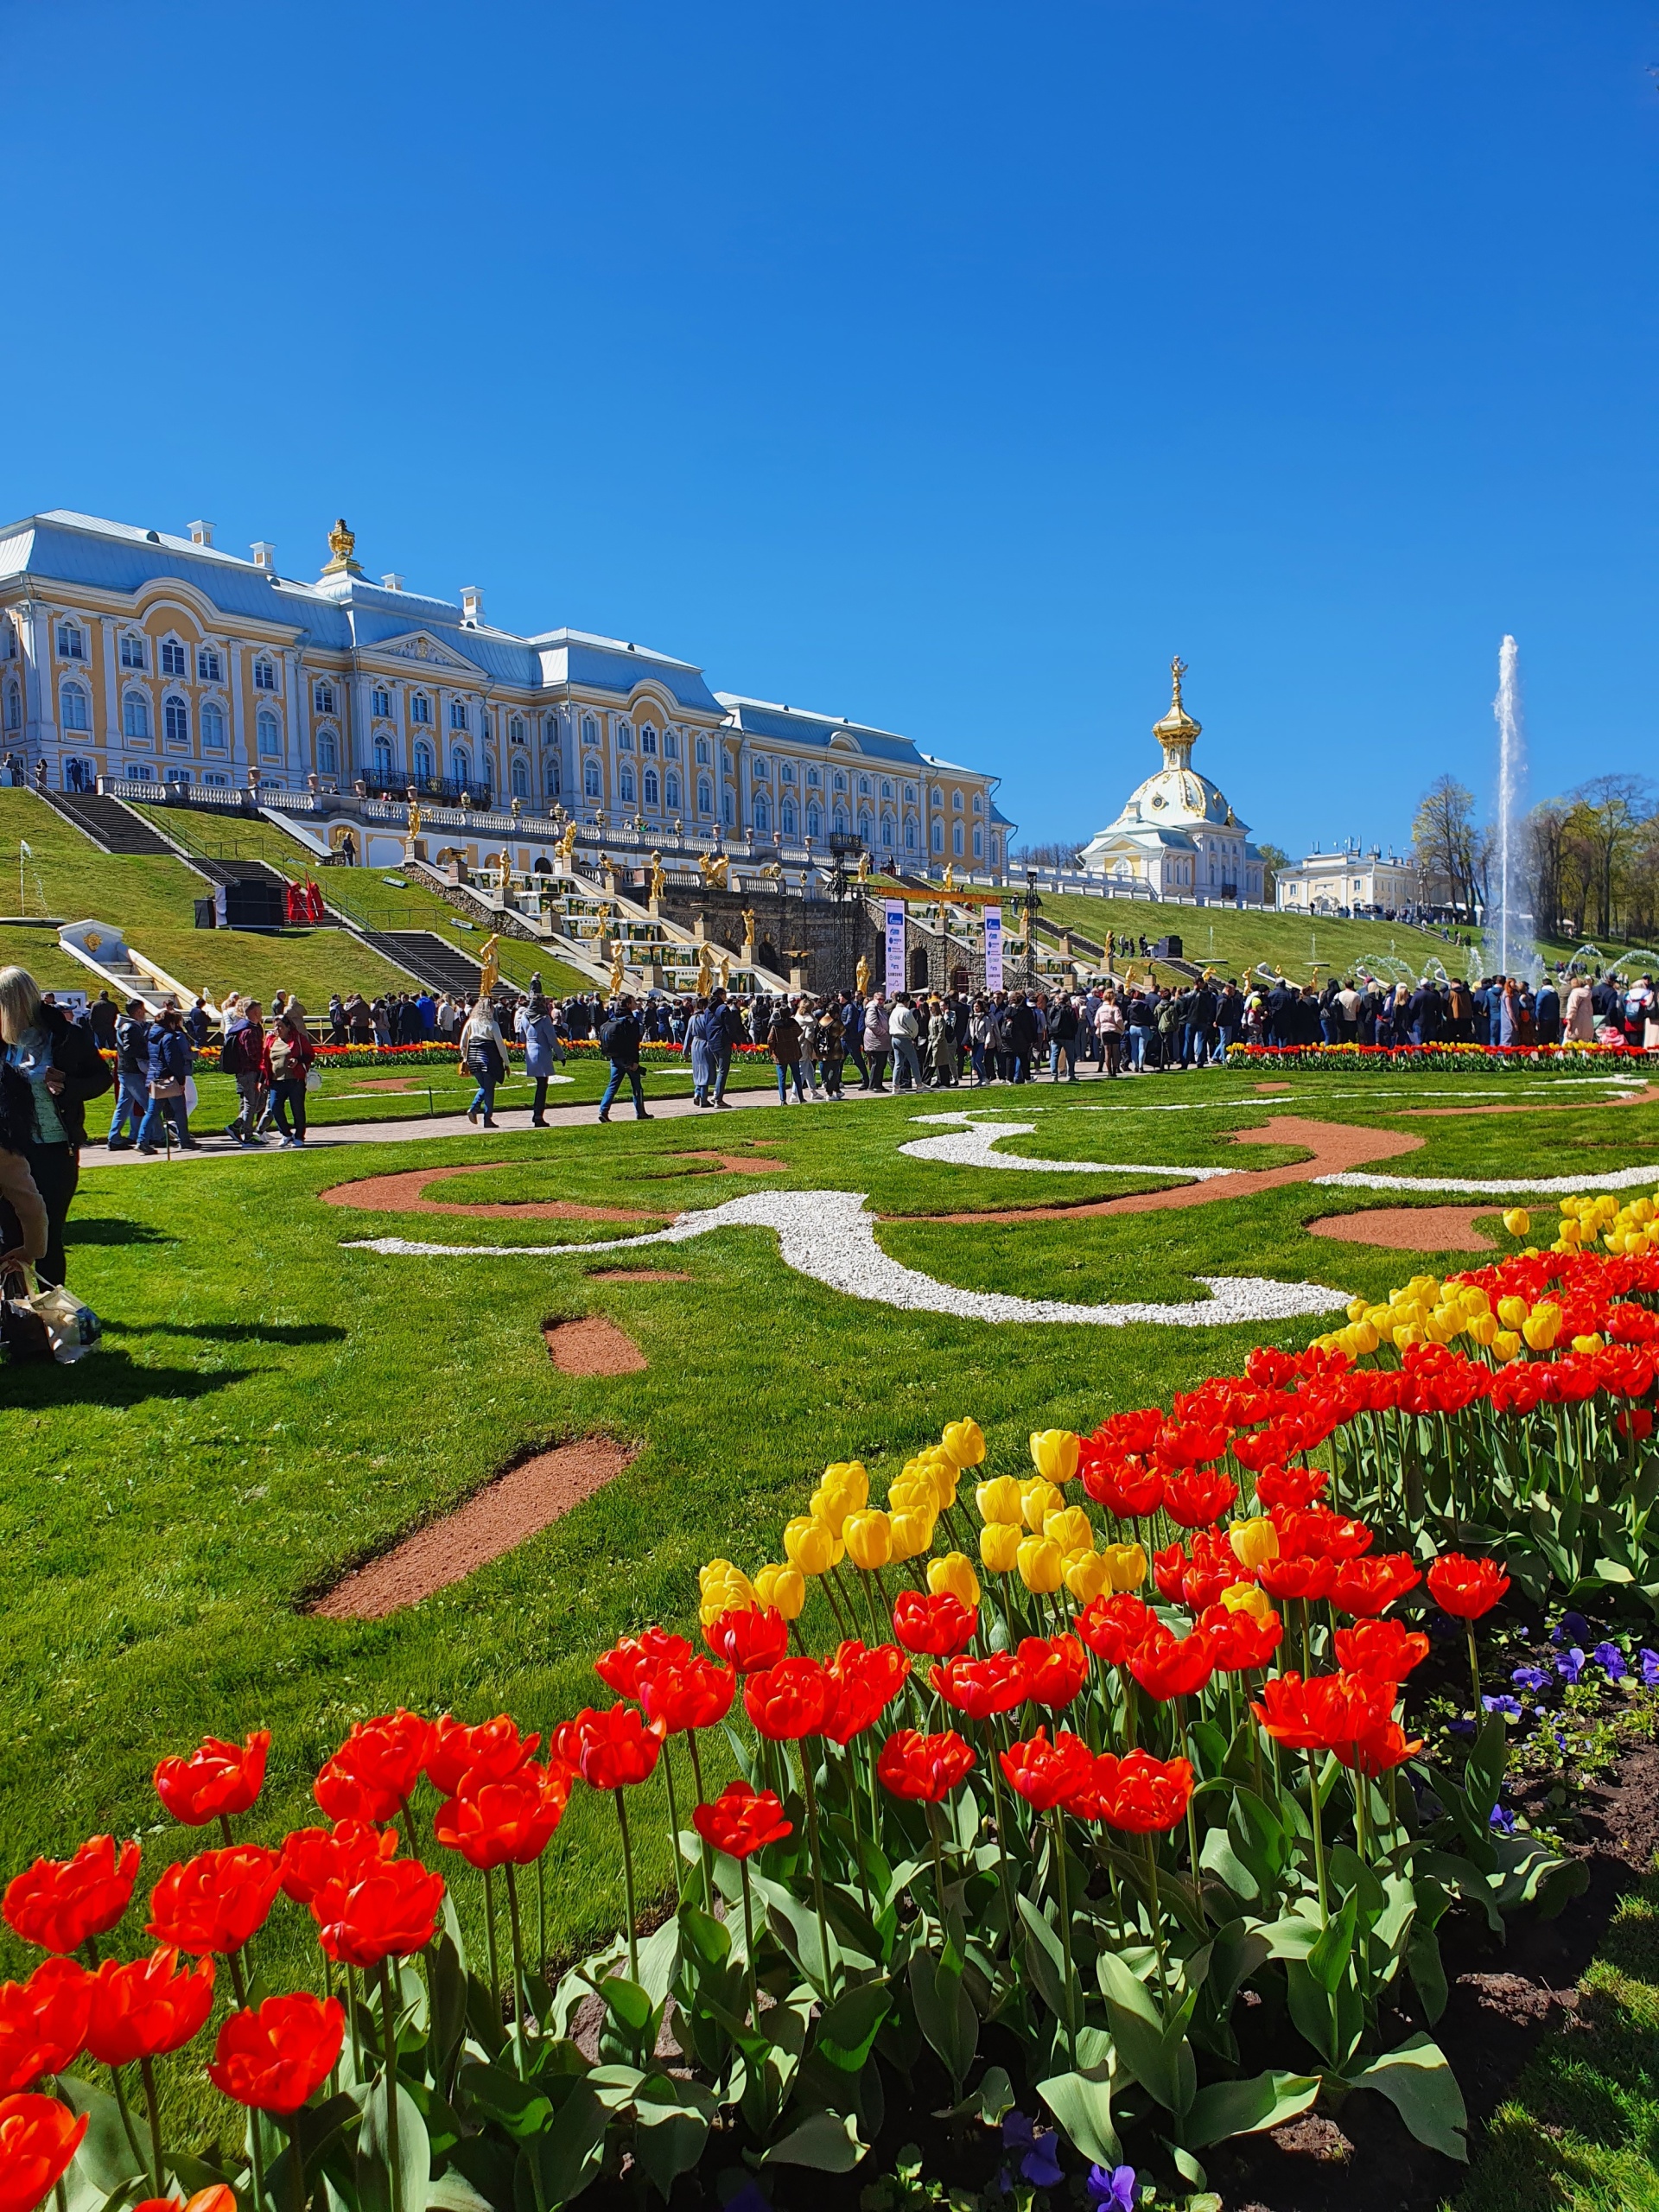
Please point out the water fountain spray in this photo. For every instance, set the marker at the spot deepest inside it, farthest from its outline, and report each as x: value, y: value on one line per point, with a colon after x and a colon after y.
x: 1511, y: 765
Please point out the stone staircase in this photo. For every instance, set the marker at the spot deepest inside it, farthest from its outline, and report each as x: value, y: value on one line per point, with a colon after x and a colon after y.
x: 110, y: 825
x: 426, y: 956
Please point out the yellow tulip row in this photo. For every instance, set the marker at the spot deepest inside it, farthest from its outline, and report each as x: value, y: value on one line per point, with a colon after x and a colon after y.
x: 1630, y: 1230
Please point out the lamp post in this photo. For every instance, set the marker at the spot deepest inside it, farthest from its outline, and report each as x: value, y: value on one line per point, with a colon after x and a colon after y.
x: 1033, y: 906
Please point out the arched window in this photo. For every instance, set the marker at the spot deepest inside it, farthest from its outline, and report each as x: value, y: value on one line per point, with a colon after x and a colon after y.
x: 841, y: 822
x: 270, y: 736
x: 520, y: 778
x: 813, y: 779
x: 762, y: 815
x: 213, y: 724
x: 424, y: 763
x: 380, y: 702
x: 383, y: 760
x: 910, y: 794
x: 726, y: 810
x: 938, y: 836
x: 71, y: 642
x: 590, y: 779
x: 175, y: 717
x: 327, y: 753
x: 264, y: 674
x: 866, y: 830
x: 670, y: 745
x: 979, y: 843
x: 322, y: 696
x: 671, y: 791
x: 208, y: 669
x: 174, y: 661
x: 624, y: 738
x: 702, y: 753
x: 132, y: 653
x: 74, y: 706
x: 761, y: 772
x: 624, y: 785
x: 553, y: 776
x: 938, y: 796
x: 910, y: 836
x: 139, y: 771
x: 979, y: 802
x: 956, y: 801
x: 554, y: 732
x: 955, y: 839
x: 589, y: 730
x: 516, y: 730
x: 648, y: 739
x: 814, y: 820
x: 420, y: 707
x: 841, y: 781
x: 461, y: 767
x: 650, y: 781
x: 786, y: 816
x: 786, y: 773
x: 887, y: 830
x: 457, y: 714
x: 887, y: 788
x: 134, y: 714
x: 705, y: 795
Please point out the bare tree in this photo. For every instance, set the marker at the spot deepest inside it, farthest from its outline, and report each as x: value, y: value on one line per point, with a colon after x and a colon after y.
x: 1615, y: 809
x: 1449, y: 846
x: 1547, y: 830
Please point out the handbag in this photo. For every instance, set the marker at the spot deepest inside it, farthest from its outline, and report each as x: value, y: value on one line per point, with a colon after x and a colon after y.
x: 52, y: 1324
x: 22, y: 1333
x: 168, y: 1086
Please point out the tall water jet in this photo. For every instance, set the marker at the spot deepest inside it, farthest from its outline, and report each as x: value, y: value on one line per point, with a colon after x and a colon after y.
x: 1508, y: 944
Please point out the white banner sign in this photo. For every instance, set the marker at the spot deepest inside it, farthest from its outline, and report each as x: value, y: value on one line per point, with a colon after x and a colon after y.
x: 895, y: 978
x: 992, y: 948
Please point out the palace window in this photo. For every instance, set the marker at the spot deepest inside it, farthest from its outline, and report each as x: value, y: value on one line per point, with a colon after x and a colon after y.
x: 265, y: 675
x: 269, y: 734
x: 702, y: 753
x: 671, y: 791
x: 515, y: 732
x: 176, y: 720
x: 910, y: 794
x: 670, y: 745
x: 135, y: 715
x: 726, y: 813
x: 590, y: 779
x: 863, y: 788
x: 840, y: 821
x: 979, y: 841
x: 174, y: 659
x: 422, y: 759
x: 553, y: 777
x: 887, y: 830
x: 813, y: 780
x: 520, y: 779
x: 420, y: 707
x: 327, y: 753
x: 624, y: 738
x: 762, y: 814
x: 381, y: 703
x: 322, y: 698
x: 841, y: 781
x: 814, y: 820
x: 461, y: 767
x: 938, y: 796
x: 625, y: 785
x: 955, y: 839
x: 74, y: 706
x: 139, y: 771
x: 553, y: 731
x: 956, y: 801
x: 866, y: 830
x: 910, y: 836
x: 705, y: 795
x: 650, y: 782
x: 213, y: 724
x: 786, y: 773
x: 457, y: 714
x: 887, y: 788
x: 132, y: 650
x: 786, y: 817
x: 938, y: 836
x: 647, y: 739
x: 760, y: 771
x: 209, y: 669
x: 979, y: 802
x: 219, y: 782
x: 8, y: 642
x: 72, y: 644
x: 996, y: 852
x: 589, y: 730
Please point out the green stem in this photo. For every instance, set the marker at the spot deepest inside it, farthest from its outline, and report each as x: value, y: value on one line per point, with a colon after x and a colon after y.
x: 146, y: 2073
x: 707, y: 1856
x: 1474, y: 1669
x: 489, y: 1940
x: 351, y: 2014
x: 239, y: 1981
x: 1318, y: 1838
x: 541, y: 1915
x: 297, y: 2163
x: 939, y: 1863
x: 817, y: 1864
x: 122, y: 2107
x: 1065, y: 1932
x: 674, y: 1858
x: 520, y: 1991
x: 627, y: 1883
x: 389, y: 2023
x: 748, y: 1944
x: 1157, y: 1920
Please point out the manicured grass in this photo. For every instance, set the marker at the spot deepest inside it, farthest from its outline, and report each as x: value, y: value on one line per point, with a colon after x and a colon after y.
x: 1234, y: 942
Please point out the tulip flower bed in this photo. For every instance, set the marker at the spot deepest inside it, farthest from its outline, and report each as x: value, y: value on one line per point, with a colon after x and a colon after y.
x: 1448, y: 1058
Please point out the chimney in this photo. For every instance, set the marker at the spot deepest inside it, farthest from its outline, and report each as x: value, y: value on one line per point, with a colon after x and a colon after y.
x: 265, y: 553
x: 201, y: 533
x: 391, y: 581
x: 472, y: 603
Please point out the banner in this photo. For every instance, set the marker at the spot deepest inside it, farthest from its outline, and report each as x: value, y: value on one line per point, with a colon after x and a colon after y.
x: 895, y: 977
x: 992, y: 948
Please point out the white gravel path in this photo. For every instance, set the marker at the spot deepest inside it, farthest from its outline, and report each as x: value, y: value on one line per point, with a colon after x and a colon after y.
x: 1551, y: 1187
x: 971, y: 1145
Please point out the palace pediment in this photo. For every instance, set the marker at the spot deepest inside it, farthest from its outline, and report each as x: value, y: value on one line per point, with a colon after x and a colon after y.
x: 422, y: 647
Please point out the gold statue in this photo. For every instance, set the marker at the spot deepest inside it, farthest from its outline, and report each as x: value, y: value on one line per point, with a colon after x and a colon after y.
x: 861, y: 977
x: 773, y: 871
x: 748, y: 925
x: 725, y: 958
x: 565, y: 846
x: 705, y: 969
x: 489, y: 968
x: 950, y: 875
x: 658, y: 878
x: 713, y: 870
x: 863, y: 868
x: 342, y: 544
x: 414, y: 817
x: 619, y: 972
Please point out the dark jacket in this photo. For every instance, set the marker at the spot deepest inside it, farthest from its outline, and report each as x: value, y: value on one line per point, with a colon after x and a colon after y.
x: 169, y: 1054
x: 621, y: 1041
x: 132, y: 1044
x: 85, y: 1073
x: 785, y: 1039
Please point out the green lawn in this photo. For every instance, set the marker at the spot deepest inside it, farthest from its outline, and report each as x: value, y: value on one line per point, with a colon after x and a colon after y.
x: 269, y: 1407
x: 1233, y: 942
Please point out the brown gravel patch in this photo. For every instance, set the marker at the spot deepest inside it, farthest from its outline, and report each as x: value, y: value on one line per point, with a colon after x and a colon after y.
x: 738, y: 1163
x: 592, y: 1345
x: 514, y: 1507
x: 389, y: 1083
x: 1332, y: 1146
x: 1409, y: 1228
x: 1266, y: 1089
x: 638, y: 1274
x: 401, y: 1193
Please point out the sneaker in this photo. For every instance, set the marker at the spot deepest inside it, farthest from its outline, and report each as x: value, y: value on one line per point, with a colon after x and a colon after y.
x: 117, y: 1144
x: 643, y: 1116
x: 150, y: 1148
x: 289, y: 1144
x: 604, y: 1117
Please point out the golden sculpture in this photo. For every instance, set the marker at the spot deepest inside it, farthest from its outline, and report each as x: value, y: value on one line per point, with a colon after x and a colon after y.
x: 713, y: 870
x: 863, y: 868
x: 949, y: 876
x: 342, y: 544
x: 705, y: 969
x: 773, y: 871
x: 414, y: 817
x: 748, y: 925
x: 725, y: 969
x: 619, y: 972
x: 566, y: 844
x: 862, y: 975
x: 489, y: 968
x: 658, y: 878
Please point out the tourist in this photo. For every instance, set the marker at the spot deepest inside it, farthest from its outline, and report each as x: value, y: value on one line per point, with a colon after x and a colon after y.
x: 131, y: 1073
x: 1063, y: 1042
x: 620, y: 1038
x: 942, y: 1045
x: 285, y: 1063
x: 543, y: 1053
x: 784, y: 1042
x: 1547, y: 1013
x: 878, y: 1041
x: 102, y: 1020
x: 483, y: 1058
x: 169, y: 1063
x: 695, y: 1047
x: 984, y: 1032
x: 1109, y: 1029
x: 51, y: 1069
x: 832, y: 1049
x: 903, y: 1029
x: 725, y: 1028
x: 242, y: 1057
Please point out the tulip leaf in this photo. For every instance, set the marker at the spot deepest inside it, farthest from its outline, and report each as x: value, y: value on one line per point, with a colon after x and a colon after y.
x: 1082, y: 2104
x: 671, y: 2123
x: 847, y: 2028
x: 1420, y: 2086
x: 659, y: 1961
x: 374, y: 2190
x: 826, y: 2141
x: 565, y: 2157
x: 453, y: 2192
x: 944, y: 2011
x: 1044, y: 1960
x: 1328, y: 1959
x: 106, y: 2159
x: 1426, y: 1969
x: 1229, y: 2109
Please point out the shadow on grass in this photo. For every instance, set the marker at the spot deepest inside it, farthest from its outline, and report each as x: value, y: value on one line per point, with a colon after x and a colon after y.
x: 99, y: 1230
x: 109, y: 1378
x: 235, y: 1332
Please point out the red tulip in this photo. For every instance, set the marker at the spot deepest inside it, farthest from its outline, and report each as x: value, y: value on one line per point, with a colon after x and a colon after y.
x: 1387, y: 1650
x: 1125, y: 1485
x: 1056, y: 1669
x: 216, y: 1901
x: 388, y: 1912
x: 216, y: 1782
x: 1237, y: 1640
x: 610, y: 1749
x: 58, y: 1903
x: 1318, y: 1533
x: 1047, y: 1774
x: 511, y: 1821
x: 925, y: 1768
x: 311, y: 1857
x: 274, y: 2056
x: 147, y: 2008
x: 789, y: 1701
x: 493, y: 1748
x: 372, y: 1775
x: 1199, y: 1497
x: 1168, y: 1666
x: 742, y: 1821
x: 1297, y: 1576
x: 979, y: 1687
x: 1199, y: 1579
x: 866, y: 1683
x: 1366, y: 1588
x: 934, y: 1626
x: 1291, y: 1487
x: 42, y: 2021
x: 39, y: 2138
x: 1139, y: 1794
x: 1465, y: 1588
x: 1324, y: 1711
x: 1112, y: 1627
x: 632, y: 1658
x: 686, y: 1694
x: 750, y: 1638
x: 1378, y: 1749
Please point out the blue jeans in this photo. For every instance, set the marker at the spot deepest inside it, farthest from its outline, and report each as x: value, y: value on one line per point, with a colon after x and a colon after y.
x: 484, y: 1098
x: 615, y: 1084
x: 160, y: 1111
x: 785, y: 1069
x: 131, y: 1103
x: 1137, y: 1038
x: 1228, y: 1037
x: 721, y: 1064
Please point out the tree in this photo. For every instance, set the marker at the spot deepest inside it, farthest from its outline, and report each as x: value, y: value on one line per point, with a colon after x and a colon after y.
x: 1545, y: 848
x: 1450, y: 846
x: 1274, y: 857
x: 1614, y: 807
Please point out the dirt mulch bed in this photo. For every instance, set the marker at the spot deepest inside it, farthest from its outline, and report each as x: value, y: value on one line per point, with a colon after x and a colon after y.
x: 402, y: 1194
x: 1409, y: 1228
x: 520, y: 1504
x: 592, y: 1345
x: 1647, y: 1097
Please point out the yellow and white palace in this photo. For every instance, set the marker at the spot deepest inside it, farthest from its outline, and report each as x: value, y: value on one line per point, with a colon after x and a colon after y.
x: 133, y: 654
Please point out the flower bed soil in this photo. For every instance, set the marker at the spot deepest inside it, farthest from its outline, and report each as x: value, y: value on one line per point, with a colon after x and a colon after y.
x: 1409, y: 1228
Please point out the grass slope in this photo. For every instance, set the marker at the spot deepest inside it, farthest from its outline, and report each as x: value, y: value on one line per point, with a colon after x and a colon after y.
x: 1232, y: 942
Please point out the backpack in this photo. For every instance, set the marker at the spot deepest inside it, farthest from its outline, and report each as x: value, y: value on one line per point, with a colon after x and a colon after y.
x: 229, y: 1052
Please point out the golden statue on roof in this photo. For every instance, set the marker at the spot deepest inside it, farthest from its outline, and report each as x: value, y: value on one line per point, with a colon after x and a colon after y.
x: 342, y: 545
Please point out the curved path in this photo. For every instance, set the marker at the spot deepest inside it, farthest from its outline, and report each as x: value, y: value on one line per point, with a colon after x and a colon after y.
x: 972, y: 1144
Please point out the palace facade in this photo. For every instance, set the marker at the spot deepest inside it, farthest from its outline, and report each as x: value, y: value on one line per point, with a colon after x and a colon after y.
x: 127, y: 653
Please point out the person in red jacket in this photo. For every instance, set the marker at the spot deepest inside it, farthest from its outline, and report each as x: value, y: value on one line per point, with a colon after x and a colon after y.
x: 283, y: 1062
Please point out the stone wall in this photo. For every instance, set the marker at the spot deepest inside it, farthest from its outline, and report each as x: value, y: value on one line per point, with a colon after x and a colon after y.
x: 789, y: 932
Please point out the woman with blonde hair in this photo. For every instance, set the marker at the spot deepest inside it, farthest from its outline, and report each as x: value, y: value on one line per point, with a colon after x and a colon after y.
x: 484, y: 1058
x: 48, y: 1069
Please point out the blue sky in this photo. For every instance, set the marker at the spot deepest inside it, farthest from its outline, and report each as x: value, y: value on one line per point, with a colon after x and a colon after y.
x: 943, y: 365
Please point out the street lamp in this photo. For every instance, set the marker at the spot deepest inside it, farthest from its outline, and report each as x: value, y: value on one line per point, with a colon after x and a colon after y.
x: 1032, y: 905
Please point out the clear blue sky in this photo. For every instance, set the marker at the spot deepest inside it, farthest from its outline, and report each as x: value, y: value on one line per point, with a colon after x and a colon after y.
x: 945, y: 365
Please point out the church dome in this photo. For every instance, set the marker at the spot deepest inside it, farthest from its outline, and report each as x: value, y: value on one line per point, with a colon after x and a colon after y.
x: 1175, y: 798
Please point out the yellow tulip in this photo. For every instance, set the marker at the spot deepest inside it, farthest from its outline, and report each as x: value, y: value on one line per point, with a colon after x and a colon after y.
x: 1363, y: 1336
x: 1070, y: 1529
x: 1357, y: 1309
x: 1589, y: 1345
x: 1254, y: 1541
x: 1542, y: 1326
x: 782, y: 1587
x: 1483, y: 1328
x: 1247, y: 1598
x: 999, y: 1545
x: 998, y: 1500
x: 1086, y: 1575
x: 1473, y: 1299
x: 1518, y: 1221
x: 965, y: 1442
x: 954, y: 1576
x: 1038, y: 1499
x: 913, y: 1534
x: 831, y: 1503
x: 811, y: 1546
x: 916, y: 1492
x: 868, y: 1537
x: 1512, y: 1312
x: 1506, y: 1344
x: 723, y: 1588
x: 1041, y: 1564
x: 1572, y: 1233
x: 1054, y: 1454
x: 849, y: 1474
x: 1126, y: 1564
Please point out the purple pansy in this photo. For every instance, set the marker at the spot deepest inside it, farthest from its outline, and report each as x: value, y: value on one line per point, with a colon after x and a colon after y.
x: 1530, y: 1678
x: 1502, y: 1818
x: 1510, y: 1707
x: 1612, y: 1662
x: 1572, y: 1628
x: 1039, y: 2165
x: 1112, y: 2186
x: 1570, y: 1665
x: 1648, y: 1663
